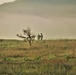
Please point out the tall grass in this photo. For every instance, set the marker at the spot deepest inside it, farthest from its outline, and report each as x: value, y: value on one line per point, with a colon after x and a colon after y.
x: 48, y: 57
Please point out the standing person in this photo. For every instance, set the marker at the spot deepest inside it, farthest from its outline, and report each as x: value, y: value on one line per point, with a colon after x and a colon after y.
x: 41, y: 36
x: 38, y: 36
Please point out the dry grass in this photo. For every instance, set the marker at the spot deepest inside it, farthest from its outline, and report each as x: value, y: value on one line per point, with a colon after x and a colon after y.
x: 19, y: 57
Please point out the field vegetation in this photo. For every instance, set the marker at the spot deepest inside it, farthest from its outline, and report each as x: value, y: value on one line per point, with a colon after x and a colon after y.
x: 44, y: 57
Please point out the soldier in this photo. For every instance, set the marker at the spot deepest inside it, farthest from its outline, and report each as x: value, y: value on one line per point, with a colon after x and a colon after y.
x: 41, y: 36
x: 38, y: 37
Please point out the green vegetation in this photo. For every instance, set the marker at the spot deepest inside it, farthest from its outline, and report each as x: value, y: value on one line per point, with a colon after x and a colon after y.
x: 47, y: 57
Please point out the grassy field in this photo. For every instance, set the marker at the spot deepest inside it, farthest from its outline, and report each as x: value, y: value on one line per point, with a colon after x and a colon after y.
x: 47, y: 57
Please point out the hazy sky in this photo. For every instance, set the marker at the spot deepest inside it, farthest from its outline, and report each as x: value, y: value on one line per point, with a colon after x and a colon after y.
x: 54, y: 18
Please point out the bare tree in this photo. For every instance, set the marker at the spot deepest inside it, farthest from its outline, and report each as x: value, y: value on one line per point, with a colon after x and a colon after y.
x: 29, y: 36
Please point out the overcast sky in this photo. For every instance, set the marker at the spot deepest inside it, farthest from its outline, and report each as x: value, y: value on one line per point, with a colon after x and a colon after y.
x: 56, y: 19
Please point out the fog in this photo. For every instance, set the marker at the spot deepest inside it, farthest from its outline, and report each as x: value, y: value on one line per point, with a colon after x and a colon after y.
x: 56, y: 19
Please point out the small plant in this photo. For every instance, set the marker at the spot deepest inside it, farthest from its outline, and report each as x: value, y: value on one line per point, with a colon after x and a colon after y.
x: 38, y: 58
x: 27, y: 59
x: 6, y: 59
x: 65, y: 47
